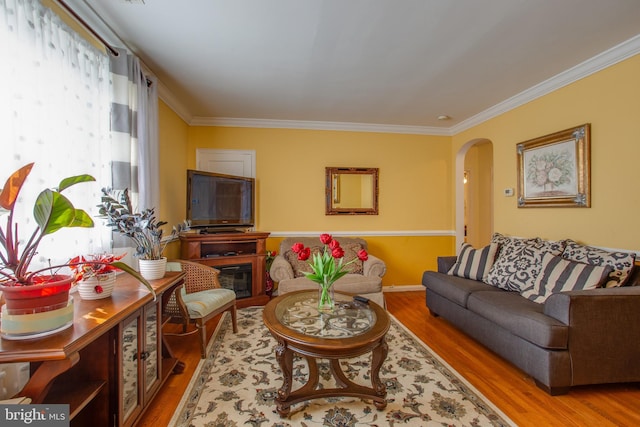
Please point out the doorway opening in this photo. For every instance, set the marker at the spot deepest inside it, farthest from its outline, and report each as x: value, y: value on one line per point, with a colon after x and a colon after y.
x: 474, y: 193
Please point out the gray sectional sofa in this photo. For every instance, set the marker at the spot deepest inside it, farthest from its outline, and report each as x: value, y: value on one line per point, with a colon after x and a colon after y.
x: 571, y: 338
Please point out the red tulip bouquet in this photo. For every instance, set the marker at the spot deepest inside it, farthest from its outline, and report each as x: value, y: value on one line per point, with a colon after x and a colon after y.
x: 327, y: 266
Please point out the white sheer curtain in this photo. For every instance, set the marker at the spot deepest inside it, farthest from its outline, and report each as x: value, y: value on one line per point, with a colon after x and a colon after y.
x: 54, y: 111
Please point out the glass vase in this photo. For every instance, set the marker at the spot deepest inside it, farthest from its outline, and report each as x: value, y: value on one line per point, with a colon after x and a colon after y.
x: 325, y: 299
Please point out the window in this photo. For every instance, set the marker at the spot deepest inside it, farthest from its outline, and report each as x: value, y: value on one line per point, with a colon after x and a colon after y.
x: 54, y: 111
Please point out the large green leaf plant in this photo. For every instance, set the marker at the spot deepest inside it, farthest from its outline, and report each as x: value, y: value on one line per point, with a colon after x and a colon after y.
x: 52, y: 212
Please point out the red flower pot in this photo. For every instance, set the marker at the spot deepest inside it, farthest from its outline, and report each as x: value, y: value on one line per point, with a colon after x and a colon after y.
x: 51, y: 294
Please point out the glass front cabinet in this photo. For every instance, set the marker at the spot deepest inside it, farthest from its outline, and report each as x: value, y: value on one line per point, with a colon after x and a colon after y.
x: 140, y: 362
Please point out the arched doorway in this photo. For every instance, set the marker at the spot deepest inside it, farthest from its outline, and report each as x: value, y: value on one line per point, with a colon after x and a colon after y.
x: 474, y: 192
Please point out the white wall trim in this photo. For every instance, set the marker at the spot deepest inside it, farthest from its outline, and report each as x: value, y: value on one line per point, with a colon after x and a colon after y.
x: 616, y: 54
x: 316, y: 125
x: 603, y: 60
x: 364, y: 233
x: 599, y: 62
x: 403, y: 288
x: 174, y: 103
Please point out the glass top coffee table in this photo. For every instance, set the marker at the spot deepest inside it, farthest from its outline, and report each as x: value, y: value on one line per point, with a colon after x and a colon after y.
x: 351, y: 330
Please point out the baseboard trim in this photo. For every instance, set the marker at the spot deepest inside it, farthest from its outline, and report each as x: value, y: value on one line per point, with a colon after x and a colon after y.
x: 403, y: 288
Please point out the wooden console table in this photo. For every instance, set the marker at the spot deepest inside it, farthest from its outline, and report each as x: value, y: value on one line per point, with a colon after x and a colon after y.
x: 111, y: 363
x: 230, y: 249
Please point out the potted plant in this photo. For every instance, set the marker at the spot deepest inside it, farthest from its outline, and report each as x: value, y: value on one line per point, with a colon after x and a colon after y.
x: 95, y: 275
x: 141, y: 227
x: 25, y: 291
x: 268, y: 281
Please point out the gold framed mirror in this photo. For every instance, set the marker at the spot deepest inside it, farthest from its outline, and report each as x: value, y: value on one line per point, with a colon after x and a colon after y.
x: 351, y: 191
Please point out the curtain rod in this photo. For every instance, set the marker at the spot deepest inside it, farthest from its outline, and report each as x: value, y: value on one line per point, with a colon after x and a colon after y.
x: 93, y: 32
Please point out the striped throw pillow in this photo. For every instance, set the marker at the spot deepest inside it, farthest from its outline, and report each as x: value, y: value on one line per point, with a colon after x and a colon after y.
x: 558, y: 274
x: 474, y: 263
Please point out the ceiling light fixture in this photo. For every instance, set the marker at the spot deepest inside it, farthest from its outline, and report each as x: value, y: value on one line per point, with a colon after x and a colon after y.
x: 443, y: 117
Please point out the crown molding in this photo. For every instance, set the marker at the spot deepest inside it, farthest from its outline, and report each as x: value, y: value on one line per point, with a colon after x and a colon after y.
x: 622, y: 51
x: 174, y: 103
x: 616, y: 54
x: 317, y: 125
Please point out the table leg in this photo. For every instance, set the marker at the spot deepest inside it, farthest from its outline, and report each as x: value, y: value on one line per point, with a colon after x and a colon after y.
x: 284, y: 356
x: 314, y: 376
x: 379, y: 354
x: 338, y: 374
x: 167, y: 352
x: 42, y: 379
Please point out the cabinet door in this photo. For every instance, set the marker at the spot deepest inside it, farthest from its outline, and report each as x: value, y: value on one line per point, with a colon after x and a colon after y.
x: 131, y: 399
x: 152, y: 352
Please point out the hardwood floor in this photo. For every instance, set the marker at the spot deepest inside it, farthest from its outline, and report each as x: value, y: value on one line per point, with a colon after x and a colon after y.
x: 507, y: 387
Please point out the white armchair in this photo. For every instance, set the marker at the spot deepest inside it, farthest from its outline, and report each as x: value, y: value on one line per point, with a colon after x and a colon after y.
x: 364, y: 278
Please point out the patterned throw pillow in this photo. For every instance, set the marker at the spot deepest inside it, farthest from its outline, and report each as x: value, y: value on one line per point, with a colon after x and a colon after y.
x: 350, y: 252
x: 298, y: 266
x: 518, y: 263
x: 474, y: 263
x: 621, y: 262
x: 558, y: 274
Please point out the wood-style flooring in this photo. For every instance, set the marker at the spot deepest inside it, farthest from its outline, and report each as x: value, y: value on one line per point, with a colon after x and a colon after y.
x: 511, y: 390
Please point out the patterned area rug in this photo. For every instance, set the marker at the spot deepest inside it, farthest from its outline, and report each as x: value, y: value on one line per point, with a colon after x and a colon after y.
x: 238, y: 381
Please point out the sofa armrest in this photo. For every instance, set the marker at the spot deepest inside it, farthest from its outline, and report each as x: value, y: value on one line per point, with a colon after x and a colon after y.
x: 374, y: 267
x: 604, y: 325
x: 445, y: 263
x: 280, y: 269
x: 596, y: 306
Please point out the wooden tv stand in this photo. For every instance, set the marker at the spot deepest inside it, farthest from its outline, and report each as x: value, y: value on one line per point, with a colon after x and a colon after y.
x: 228, y: 249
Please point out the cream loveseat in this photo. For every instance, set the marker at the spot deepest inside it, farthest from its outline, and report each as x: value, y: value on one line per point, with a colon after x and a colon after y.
x: 364, y: 277
x: 564, y: 313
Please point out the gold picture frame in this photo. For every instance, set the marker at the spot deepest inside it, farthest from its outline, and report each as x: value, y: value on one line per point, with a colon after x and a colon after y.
x: 555, y: 170
x: 351, y: 191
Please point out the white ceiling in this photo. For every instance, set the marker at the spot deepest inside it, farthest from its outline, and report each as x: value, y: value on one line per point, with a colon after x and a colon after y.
x: 364, y: 63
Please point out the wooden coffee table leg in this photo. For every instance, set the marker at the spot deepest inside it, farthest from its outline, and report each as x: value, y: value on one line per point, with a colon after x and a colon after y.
x: 284, y: 356
x: 338, y: 374
x: 379, y: 354
x: 313, y: 379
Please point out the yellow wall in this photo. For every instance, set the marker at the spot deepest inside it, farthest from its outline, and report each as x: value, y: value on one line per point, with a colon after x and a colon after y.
x: 610, y: 101
x: 290, y: 172
x: 417, y: 172
x: 173, y: 136
x: 415, y: 196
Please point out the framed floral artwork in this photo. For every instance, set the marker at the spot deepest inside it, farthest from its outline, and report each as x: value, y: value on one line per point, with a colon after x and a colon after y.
x: 555, y: 170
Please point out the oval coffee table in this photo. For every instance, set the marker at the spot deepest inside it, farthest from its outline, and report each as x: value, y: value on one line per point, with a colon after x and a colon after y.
x: 351, y: 330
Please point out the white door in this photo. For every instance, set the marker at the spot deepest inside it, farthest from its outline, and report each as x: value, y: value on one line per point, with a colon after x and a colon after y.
x: 228, y: 162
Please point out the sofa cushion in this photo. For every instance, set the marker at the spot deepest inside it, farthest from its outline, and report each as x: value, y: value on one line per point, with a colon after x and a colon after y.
x: 453, y: 288
x: 558, y: 274
x: 350, y: 283
x: 519, y: 260
x: 621, y: 262
x: 474, y: 263
x: 521, y: 317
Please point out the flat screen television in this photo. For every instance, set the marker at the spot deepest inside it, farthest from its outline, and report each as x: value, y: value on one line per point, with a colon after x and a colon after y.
x: 219, y: 201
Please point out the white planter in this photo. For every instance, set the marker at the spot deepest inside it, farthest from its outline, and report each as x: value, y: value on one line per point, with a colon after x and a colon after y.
x: 152, y: 269
x: 97, y: 287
